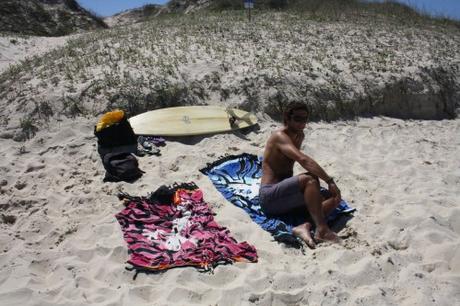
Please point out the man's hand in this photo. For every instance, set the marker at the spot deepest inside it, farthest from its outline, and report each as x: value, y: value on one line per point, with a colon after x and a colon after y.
x: 335, y: 191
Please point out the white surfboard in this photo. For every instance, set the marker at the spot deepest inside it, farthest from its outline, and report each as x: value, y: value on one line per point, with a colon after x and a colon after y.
x: 191, y: 120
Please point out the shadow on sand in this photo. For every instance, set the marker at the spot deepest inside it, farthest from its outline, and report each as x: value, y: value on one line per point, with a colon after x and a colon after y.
x: 193, y: 140
x: 341, y: 222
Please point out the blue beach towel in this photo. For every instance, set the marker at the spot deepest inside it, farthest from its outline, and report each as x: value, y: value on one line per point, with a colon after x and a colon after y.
x: 237, y: 177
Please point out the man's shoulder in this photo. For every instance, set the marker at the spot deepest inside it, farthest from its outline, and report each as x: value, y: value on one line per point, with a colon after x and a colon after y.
x: 279, y: 134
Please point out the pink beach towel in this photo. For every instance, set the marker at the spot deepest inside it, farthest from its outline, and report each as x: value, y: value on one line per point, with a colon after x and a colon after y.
x: 175, y: 227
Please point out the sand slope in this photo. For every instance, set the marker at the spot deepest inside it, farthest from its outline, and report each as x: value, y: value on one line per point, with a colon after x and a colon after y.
x: 402, y: 247
x: 14, y: 49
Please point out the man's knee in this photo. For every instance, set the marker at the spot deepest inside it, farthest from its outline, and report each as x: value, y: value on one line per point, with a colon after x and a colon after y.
x: 336, y: 202
x: 306, y: 180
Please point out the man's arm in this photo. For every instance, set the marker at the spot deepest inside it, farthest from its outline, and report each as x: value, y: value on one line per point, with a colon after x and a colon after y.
x: 287, y: 147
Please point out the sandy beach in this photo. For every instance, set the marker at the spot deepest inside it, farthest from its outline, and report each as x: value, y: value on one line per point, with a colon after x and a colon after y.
x: 60, y: 243
x: 402, y: 247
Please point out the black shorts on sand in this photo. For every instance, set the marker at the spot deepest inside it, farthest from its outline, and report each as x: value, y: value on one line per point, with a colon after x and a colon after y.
x: 282, y: 197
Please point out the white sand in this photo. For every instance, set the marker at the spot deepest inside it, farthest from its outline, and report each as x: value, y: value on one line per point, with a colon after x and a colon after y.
x: 403, y: 245
x: 14, y: 49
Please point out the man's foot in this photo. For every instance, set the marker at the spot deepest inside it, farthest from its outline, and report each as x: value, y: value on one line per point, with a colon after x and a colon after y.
x: 327, y: 236
x: 303, y: 232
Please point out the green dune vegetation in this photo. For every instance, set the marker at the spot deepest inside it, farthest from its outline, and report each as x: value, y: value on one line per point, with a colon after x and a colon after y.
x: 329, y: 9
x: 46, y: 17
x: 344, y: 58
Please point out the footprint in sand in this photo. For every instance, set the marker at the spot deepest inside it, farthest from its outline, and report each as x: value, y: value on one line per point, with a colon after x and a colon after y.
x: 8, y: 219
x: 20, y: 185
x: 33, y: 168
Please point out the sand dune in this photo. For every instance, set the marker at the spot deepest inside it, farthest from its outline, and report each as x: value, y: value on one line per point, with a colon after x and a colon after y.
x: 15, y: 49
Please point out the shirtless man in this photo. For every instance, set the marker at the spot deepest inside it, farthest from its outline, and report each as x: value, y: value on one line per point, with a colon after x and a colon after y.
x: 282, y: 193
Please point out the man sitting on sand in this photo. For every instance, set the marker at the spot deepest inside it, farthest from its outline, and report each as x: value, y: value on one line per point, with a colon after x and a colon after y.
x: 282, y: 193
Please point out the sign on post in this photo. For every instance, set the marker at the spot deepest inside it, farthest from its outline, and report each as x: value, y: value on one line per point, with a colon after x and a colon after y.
x: 249, y: 4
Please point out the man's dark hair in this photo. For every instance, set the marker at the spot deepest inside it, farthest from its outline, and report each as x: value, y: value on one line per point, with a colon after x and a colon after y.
x: 293, y: 107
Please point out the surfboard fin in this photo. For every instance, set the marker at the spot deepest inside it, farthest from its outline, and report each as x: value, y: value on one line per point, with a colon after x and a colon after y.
x: 234, y: 118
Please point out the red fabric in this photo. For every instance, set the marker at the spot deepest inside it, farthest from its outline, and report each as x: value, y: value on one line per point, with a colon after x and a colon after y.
x: 180, y: 233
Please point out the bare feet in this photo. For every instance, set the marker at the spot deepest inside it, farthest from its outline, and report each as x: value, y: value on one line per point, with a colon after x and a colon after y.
x: 303, y: 232
x: 327, y: 236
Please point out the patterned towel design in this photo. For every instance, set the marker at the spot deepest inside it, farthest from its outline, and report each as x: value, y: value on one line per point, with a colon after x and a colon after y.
x: 237, y: 177
x: 175, y: 227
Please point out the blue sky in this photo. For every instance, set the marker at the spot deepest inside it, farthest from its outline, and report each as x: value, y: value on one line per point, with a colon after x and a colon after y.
x: 111, y: 7
x: 450, y: 8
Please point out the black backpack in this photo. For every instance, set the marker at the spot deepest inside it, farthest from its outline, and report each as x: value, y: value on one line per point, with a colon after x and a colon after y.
x: 115, y: 145
x: 121, y: 167
x: 116, y: 135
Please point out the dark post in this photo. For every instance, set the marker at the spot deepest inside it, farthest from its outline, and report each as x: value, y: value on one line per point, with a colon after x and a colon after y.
x: 249, y: 5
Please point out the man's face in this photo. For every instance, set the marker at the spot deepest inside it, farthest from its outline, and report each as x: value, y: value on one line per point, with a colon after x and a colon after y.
x: 298, y: 120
